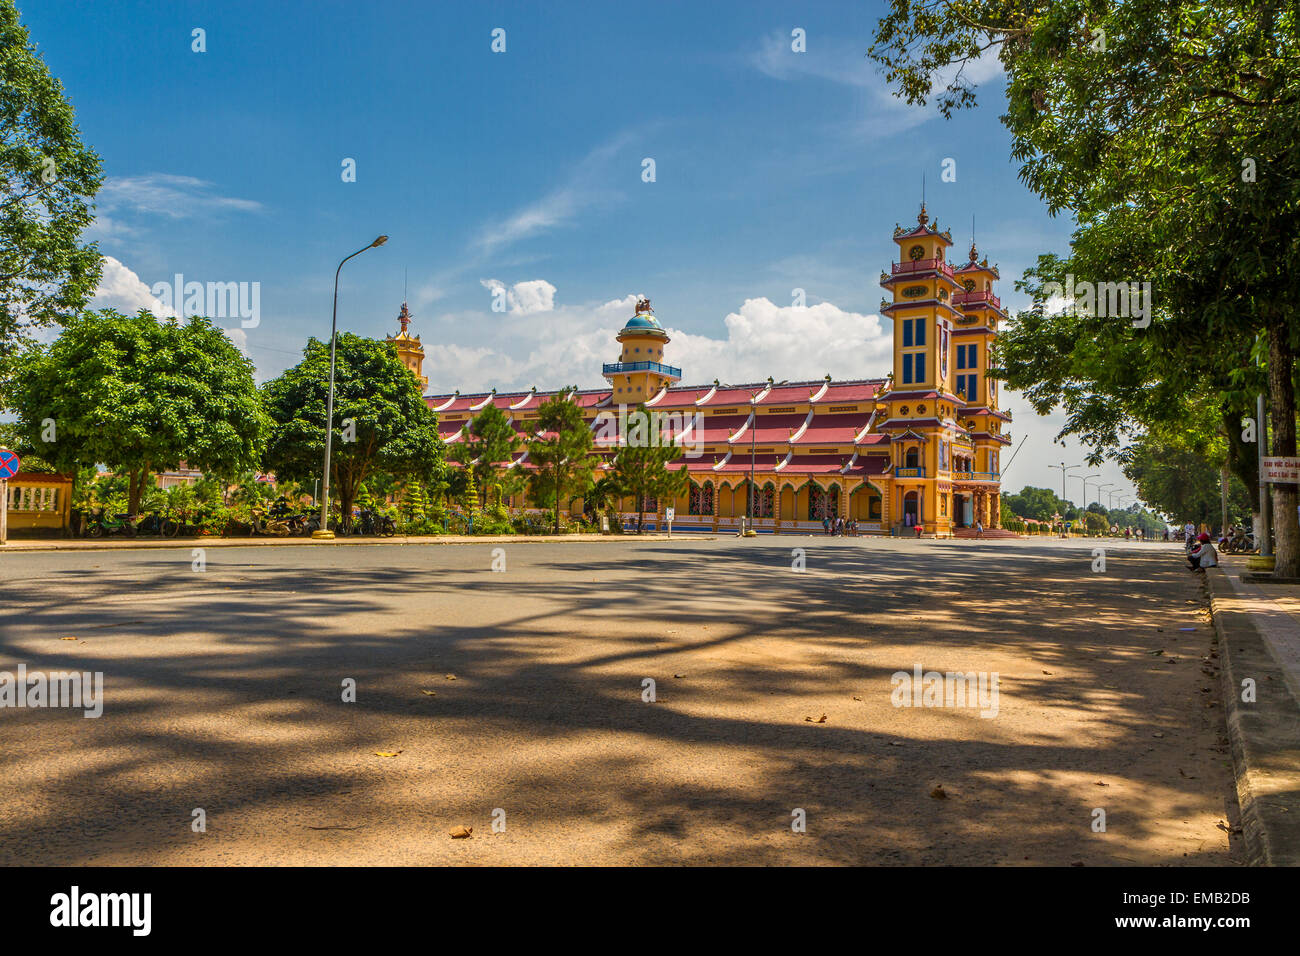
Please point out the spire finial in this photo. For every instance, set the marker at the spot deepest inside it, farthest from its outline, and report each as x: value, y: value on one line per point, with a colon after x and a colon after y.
x: 404, y: 317
x: 973, y: 254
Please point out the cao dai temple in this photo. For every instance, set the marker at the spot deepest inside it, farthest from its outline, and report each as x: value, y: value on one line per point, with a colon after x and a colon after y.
x: 919, y: 447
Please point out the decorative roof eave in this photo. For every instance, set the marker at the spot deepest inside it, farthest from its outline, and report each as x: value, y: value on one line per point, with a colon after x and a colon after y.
x: 816, y: 396
x: 802, y: 428
x: 910, y: 435
x: 720, y: 465
x: 866, y: 429
x: 483, y: 404
x: 789, y: 456
x: 711, y: 392
x: 447, y: 404
x: 518, y: 462
x: 852, y: 461
x: 888, y: 307
x: 659, y: 396
x: 526, y: 399
x: 761, y: 395
x: 749, y: 423
x: 918, y: 231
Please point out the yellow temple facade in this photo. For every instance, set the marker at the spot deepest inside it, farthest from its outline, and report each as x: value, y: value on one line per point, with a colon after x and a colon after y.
x: 919, y: 447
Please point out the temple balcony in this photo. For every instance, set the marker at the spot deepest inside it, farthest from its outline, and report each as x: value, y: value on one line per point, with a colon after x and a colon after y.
x: 619, y: 368
x: 977, y: 297
x: 975, y: 476
x: 901, y: 472
x: 921, y: 265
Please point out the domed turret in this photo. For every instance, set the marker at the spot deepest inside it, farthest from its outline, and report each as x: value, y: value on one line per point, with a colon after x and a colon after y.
x: 640, y: 373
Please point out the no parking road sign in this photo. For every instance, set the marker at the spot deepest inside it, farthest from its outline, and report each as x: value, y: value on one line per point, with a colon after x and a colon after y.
x: 9, y: 463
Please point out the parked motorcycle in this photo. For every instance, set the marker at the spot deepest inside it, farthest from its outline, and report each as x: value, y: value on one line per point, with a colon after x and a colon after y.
x: 102, y: 526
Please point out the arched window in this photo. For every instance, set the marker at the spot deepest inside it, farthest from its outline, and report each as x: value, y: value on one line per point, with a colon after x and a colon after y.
x: 913, y: 458
x: 701, y: 499
x: 823, y: 504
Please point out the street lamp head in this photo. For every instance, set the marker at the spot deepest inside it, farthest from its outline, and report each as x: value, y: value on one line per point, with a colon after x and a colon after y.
x: 379, y: 242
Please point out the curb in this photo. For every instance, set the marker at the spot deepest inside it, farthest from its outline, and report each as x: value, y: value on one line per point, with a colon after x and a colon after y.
x: 1264, y: 736
x: 125, y: 544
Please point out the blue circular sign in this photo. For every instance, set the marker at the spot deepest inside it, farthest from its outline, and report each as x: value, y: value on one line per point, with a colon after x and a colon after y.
x: 9, y: 463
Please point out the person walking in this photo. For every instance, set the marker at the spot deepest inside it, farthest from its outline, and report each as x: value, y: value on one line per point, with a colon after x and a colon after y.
x: 979, y: 528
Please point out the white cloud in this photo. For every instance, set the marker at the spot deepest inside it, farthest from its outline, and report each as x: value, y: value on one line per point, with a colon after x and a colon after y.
x: 239, y: 337
x: 123, y: 290
x: 767, y: 339
x: 561, y: 205
x: 176, y: 197
x: 524, y: 298
x: 573, y: 343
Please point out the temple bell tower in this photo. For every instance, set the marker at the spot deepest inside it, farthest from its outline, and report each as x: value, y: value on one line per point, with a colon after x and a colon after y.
x: 409, y: 349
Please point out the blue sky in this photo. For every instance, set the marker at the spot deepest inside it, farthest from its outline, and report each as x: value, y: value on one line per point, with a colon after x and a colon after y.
x: 522, y: 170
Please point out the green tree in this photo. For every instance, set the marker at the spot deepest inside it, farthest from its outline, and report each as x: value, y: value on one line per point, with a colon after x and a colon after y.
x: 47, y: 178
x: 414, y: 502
x: 1037, y: 503
x: 139, y: 395
x: 1184, y: 484
x: 487, y: 446
x: 561, y: 453
x: 1167, y: 127
x: 381, y: 421
x: 641, y: 464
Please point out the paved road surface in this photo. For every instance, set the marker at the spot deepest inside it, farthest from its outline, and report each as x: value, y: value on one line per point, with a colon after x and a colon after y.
x: 223, y: 692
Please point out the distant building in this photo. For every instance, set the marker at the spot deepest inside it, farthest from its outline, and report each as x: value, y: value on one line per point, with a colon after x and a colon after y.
x: 183, y: 475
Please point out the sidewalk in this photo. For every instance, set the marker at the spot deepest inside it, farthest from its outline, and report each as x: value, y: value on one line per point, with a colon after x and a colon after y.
x: 108, y: 544
x: 1259, y: 640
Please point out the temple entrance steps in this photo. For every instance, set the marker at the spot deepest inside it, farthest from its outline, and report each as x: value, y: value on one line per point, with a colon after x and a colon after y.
x: 988, y: 533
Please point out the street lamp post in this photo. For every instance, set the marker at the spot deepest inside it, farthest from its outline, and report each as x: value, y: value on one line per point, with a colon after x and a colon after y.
x: 1064, y: 469
x: 323, y: 532
x: 1084, y: 479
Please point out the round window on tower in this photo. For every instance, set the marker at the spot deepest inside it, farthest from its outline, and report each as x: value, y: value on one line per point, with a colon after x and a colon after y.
x: 916, y: 252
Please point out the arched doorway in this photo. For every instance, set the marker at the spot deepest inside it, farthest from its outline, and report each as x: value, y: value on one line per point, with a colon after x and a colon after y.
x: 911, y: 508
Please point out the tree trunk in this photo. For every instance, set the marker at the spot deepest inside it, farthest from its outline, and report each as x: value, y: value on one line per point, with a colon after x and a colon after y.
x: 1281, y: 393
x: 135, y: 489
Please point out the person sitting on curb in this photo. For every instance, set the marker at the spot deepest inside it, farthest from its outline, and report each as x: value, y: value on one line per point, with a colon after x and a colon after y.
x: 1203, y: 555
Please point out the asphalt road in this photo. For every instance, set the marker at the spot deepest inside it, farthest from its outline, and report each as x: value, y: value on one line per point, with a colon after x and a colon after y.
x: 223, y: 693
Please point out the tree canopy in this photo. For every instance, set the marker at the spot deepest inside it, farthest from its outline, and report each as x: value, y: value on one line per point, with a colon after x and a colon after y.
x: 561, y: 452
x: 138, y: 394
x: 381, y: 421
x: 47, y: 178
